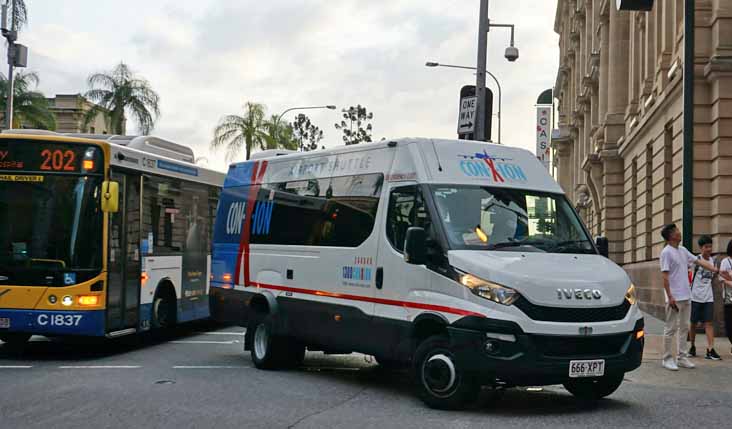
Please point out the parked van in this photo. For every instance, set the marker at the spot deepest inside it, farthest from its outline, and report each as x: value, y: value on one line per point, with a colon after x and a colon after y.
x: 462, y: 259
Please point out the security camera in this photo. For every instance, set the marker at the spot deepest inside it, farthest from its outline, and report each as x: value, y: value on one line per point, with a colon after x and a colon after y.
x: 512, y: 53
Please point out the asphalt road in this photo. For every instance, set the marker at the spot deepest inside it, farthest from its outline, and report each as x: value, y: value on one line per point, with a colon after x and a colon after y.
x: 200, y: 378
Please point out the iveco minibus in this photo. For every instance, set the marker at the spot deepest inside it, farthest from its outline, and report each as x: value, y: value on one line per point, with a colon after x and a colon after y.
x: 464, y: 260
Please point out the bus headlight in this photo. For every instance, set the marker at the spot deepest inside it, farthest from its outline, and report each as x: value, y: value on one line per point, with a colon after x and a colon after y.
x: 630, y: 294
x: 67, y: 300
x: 489, y: 290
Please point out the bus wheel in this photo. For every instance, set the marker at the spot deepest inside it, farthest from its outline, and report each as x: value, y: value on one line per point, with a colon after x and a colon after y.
x: 440, y: 381
x: 164, y: 311
x: 594, y: 388
x: 15, y: 339
x: 268, y: 351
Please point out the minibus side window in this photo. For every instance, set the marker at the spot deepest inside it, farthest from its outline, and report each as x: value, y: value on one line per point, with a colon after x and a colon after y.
x: 406, y: 209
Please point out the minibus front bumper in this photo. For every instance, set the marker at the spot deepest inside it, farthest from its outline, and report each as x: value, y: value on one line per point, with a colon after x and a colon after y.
x: 496, y: 351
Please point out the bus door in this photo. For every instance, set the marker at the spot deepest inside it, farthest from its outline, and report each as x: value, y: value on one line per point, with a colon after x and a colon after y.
x: 123, y: 287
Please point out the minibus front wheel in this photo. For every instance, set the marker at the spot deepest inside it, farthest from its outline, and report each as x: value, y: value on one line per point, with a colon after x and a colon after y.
x: 594, y: 388
x: 441, y: 382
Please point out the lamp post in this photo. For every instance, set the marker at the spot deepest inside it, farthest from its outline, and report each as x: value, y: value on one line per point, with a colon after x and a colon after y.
x: 498, y: 85
x: 329, y: 107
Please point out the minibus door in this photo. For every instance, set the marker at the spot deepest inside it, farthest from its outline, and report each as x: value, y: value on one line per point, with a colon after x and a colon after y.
x: 395, y: 278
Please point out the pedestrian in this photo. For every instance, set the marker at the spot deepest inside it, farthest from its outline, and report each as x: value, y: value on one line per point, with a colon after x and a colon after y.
x: 702, y: 300
x: 675, y: 262
x: 726, y: 267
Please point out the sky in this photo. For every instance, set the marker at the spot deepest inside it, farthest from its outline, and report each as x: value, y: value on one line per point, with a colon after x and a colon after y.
x: 206, y: 58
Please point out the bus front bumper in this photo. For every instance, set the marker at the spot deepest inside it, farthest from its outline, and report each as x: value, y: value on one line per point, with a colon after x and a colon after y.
x: 515, y: 358
x: 45, y: 322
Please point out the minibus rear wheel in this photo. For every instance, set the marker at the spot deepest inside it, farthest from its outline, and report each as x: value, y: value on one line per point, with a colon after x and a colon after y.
x: 441, y: 382
x: 269, y: 351
x: 594, y: 388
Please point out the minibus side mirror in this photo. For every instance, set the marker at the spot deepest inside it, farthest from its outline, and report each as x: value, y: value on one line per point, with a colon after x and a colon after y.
x: 415, y: 246
x: 110, y: 196
x: 603, y: 246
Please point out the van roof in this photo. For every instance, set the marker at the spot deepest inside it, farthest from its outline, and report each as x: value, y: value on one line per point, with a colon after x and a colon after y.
x: 422, y: 160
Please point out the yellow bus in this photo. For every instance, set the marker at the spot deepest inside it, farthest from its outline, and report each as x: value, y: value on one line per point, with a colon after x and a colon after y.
x: 101, y: 235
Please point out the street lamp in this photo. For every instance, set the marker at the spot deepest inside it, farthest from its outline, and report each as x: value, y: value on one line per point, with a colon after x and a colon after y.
x: 329, y: 107
x: 498, y: 85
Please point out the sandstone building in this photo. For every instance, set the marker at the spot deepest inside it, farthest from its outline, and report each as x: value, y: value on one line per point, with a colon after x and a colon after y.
x: 619, y: 151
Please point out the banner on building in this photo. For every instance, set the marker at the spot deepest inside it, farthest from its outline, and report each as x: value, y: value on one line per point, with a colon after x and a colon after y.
x: 543, y: 132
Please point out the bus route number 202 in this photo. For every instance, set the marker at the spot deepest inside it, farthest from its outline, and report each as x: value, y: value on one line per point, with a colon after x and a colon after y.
x: 59, y: 319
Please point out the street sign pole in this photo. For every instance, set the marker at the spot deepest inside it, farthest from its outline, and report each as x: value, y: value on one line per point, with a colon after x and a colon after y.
x: 483, y: 23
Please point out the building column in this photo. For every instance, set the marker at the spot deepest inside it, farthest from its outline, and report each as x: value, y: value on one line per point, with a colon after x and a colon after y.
x: 618, y: 76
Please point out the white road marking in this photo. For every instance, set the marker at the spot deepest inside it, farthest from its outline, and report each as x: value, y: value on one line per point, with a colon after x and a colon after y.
x: 15, y: 367
x: 222, y: 333
x: 208, y: 367
x: 204, y: 342
x: 100, y: 367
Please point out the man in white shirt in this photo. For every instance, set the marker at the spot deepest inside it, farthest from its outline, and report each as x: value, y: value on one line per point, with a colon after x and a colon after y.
x: 675, y: 263
x: 702, y: 300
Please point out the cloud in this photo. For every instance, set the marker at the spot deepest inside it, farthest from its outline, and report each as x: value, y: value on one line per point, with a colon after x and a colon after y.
x: 206, y: 58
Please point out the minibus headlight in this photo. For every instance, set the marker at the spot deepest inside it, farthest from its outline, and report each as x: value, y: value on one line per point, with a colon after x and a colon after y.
x: 630, y: 294
x: 489, y: 290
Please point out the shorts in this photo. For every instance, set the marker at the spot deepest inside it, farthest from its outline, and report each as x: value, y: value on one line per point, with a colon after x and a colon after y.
x: 702, y: 312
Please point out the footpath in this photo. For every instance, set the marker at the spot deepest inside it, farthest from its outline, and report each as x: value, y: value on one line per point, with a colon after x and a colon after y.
x: 654, y: 345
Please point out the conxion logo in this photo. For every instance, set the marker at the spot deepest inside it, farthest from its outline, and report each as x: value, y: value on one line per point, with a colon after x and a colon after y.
x: 499, y: 170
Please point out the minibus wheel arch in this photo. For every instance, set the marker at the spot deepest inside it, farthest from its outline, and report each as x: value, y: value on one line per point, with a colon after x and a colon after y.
x: 427, y: 325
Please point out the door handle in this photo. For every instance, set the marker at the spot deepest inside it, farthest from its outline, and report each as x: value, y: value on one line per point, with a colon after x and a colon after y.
x: 379, y: 277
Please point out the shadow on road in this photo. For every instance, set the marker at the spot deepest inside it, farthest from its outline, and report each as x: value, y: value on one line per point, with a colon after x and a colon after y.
x: 380, y: 382
x: 89, y: 348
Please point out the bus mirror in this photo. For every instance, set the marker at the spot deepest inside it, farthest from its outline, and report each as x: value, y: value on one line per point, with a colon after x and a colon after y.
x: 603, y: 246
x: 110, y: 196
x: 415, y: 246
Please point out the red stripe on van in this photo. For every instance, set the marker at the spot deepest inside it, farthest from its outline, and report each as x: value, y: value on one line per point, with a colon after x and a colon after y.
x: 255, y: 183
x: 383, y: 301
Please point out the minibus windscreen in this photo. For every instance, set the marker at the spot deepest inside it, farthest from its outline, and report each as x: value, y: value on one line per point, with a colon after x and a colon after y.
x: 486, y: 218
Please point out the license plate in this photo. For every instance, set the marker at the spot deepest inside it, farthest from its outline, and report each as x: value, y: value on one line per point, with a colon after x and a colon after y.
x: 586, y: 368
x: 4, y: 322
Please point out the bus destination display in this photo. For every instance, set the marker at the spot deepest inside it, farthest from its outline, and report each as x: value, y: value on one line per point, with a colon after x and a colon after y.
x: 49, y: 157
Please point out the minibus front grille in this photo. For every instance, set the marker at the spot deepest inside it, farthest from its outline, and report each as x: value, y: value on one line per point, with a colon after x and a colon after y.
x: 567, y: 347
x: 572, y: 315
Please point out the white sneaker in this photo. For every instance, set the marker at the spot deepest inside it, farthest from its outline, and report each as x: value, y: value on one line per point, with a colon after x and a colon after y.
x: 684, y: 362
x: 669, y: 364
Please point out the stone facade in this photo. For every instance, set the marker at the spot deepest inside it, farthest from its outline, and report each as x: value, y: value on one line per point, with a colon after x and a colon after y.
x: 70, y: 109
x: 619, y: 151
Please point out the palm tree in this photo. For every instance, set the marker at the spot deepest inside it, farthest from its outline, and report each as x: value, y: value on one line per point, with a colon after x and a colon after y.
x: 236, y: 132
x: 278, y: 134
x: 120, y: 91
x: 31, y: 108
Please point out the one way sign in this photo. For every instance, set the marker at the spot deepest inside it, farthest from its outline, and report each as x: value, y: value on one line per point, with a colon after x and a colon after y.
x: 466, y: 120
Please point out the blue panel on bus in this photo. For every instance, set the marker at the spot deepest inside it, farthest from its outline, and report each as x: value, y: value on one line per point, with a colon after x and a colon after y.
x: 177, y: 168
x: 41, y: 322
x: 239, y: 174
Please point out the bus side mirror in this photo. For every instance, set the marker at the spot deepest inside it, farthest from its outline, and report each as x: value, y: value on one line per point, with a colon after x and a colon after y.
x: 603, y: 246
x: 110, y: 196
x: 415, y: 246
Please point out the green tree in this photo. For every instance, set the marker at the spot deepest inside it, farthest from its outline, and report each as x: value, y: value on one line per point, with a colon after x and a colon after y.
x: 306, y: 133
x: 237, y: 133
x: 359, y: 117
x: 278, y: 134
x: 119, y: 91
x: 30, y: 107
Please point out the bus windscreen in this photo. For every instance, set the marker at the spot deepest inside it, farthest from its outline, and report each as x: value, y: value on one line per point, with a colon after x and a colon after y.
x: 50, y: 214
